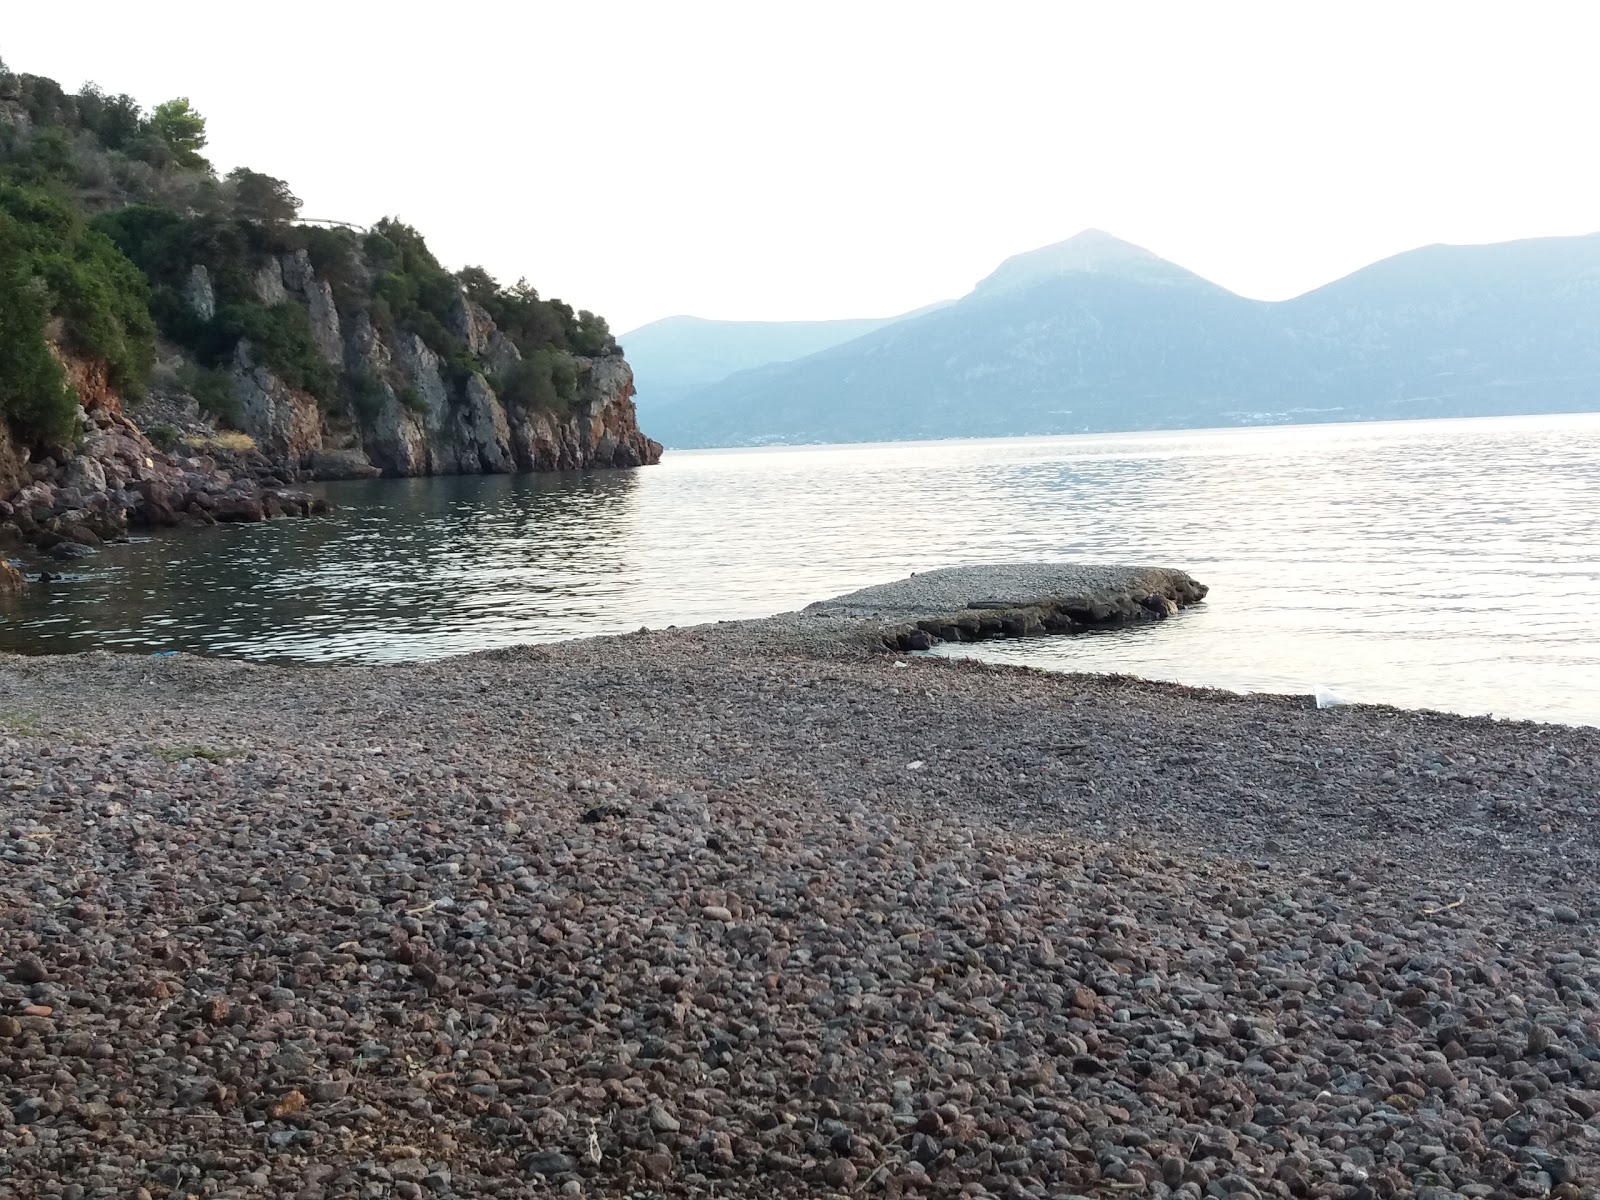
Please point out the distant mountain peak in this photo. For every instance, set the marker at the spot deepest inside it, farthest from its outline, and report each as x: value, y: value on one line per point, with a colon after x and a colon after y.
x: 1093, y: 251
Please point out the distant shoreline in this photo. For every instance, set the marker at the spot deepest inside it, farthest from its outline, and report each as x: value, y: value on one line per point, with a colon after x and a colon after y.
x: 1169, y: 430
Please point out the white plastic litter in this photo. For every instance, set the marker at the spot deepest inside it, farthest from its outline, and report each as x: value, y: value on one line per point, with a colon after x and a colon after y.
x: 1328, y: 699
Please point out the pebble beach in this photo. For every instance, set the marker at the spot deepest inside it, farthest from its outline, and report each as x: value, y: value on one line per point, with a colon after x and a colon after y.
x: 759, y: 909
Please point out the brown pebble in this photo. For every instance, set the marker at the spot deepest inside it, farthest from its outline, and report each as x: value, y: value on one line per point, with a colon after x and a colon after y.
x: 288, y: 1105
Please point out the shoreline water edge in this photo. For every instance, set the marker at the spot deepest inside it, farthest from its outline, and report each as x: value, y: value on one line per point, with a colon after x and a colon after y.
x: 757, y: 908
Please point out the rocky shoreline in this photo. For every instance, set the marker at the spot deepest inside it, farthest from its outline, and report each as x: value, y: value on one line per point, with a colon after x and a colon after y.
x: 757, y: 909
x: 67, y: 499
x: 114, y: 479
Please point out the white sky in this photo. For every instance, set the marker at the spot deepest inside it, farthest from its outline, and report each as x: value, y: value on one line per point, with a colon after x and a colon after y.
x: 767, y: 160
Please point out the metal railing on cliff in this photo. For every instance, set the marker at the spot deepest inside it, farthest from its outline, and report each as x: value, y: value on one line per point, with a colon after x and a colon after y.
x: 323, y: 223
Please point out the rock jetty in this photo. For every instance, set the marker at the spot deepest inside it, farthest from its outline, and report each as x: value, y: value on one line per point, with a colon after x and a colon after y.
x: 682, y: 914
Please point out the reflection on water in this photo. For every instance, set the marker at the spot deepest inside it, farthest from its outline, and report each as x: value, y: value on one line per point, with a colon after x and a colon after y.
x: 408, y: 569
x: 1446, y: 564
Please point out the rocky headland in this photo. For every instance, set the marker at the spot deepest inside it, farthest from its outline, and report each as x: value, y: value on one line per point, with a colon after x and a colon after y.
x: 759, y: 909
x: 181, y: 346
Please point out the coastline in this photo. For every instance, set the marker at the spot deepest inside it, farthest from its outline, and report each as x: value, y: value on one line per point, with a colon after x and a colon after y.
x: 766, y: 911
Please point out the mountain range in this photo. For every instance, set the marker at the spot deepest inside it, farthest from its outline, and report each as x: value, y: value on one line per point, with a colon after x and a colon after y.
x: 1095, y: 334
x: 679, y: 355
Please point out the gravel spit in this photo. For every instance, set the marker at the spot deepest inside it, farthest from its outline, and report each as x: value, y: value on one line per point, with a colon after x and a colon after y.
x: 998, y: 585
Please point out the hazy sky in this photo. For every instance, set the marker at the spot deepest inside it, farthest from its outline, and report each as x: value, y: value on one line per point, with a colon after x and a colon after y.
x: 774, y: 160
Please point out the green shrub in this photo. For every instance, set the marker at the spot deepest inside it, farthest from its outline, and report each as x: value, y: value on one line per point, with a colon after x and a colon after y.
x: 163, y: 437
x: 212, y: 388
x: 591, y: 335
x: 102, y: 299
x: 333, y: 257
x: 115, y: 120
x: 280, y: 337
x: 363, y: 393
x: 418, y: 294
x: 259, y: 197
x: 533, y: 324
x: 44, y: 159
x: 547, y: 381
x: 181, y: 130
x: 528, y: 385
x: 34, y: 396
x: 412, y: 399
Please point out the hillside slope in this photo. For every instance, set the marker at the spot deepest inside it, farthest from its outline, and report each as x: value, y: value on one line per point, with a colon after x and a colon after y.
x: 675, y: 355
x: 1094, y: 334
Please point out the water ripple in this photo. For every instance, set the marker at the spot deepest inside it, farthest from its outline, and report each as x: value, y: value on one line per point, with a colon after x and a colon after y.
x: 1446, y: 564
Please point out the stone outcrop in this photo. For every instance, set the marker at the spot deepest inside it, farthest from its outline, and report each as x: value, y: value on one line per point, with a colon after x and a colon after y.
x: 398, y: 410
x: 283, y: 421
x: 13, y: 464
x: 89, y: 377
x: 483, y: 429
x: 421, y: 425
x: 390, y: 431
x: 341, y: 464
x: 317, y: 296
x: 599, y: 431
x: 198, y: 294
x: 113, y: 478
x: 476, y: 327
x: 269, y: 283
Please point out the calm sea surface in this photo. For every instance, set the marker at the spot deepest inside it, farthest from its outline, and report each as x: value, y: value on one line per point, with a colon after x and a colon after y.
x: 1448, y: 564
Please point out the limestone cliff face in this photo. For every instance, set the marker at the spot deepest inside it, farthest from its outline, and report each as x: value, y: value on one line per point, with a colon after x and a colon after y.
x: 13, y: 467
x: 418, y: 416
x: 412, y: 414
x: 89, y: 377
x: 284, y: 422
x: 601, y: 429
x: 472, y: 432
x: 436, y: 434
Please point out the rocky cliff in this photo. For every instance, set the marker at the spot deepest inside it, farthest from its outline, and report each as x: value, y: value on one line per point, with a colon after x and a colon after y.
x: 180, y: 345
x: 417, y: 414
x: 413, y: 414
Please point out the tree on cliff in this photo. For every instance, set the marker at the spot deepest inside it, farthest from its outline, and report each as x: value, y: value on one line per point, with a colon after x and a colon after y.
x: 259, y: 197
x: 115, y: 120
x: 182, y: 130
